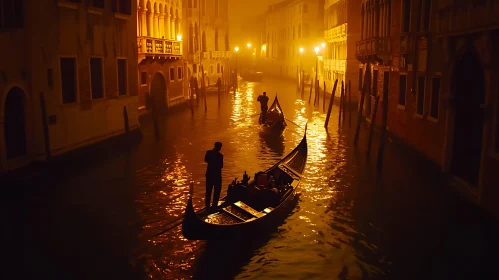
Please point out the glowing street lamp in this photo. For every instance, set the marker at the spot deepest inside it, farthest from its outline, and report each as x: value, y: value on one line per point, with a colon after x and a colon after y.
x: 236, y: 49
x: 249, y: 45
x: 301, y: 50
x: 323, y: 45
x: 179, y: 37
x: 316, y: 50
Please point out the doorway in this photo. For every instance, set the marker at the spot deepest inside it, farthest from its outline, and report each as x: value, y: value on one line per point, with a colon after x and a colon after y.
x: 15, y: 123
x: 158, y: 92
x: 468, y: 87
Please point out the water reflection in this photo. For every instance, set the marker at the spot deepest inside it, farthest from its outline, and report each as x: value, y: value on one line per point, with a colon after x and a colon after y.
x: 322, y: 224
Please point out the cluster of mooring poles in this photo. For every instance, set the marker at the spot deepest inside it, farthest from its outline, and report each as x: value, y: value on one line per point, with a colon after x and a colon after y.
x: 346, y: 108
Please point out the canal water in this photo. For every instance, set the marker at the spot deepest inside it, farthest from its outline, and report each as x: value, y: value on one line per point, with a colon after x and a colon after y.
x: 113, y: 215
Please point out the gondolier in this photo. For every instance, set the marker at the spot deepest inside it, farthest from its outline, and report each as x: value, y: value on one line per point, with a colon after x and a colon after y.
x: 251, y: 208
x: 264, y: 100
x: 215, y: 161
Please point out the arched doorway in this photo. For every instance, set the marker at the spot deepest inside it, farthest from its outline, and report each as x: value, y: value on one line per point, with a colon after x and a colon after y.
x: 15, y: 123
x: 158, y: 92
x: 468, y: 86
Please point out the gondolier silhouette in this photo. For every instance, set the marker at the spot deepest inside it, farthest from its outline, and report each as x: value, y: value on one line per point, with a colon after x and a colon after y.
x: 264, y: 100
x: 215, y: 161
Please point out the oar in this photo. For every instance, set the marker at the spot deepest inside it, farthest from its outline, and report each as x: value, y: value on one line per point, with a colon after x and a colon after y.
x: 292, y: 122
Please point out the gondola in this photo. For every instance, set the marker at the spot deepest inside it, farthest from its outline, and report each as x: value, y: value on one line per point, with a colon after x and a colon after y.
x: 275, y: 122
x: 250, y: 207
x: 252, y: 76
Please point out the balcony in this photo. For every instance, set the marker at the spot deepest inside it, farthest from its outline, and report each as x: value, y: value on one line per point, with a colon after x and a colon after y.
x: 220, y: 55
x: 405, y: 43
x: 149, y: 46
x: 377, y: 48
x: 336, y: 34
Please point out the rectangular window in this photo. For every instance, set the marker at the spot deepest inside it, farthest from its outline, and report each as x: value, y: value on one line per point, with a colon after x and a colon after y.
x: 143, y: 78
x: 179, y: 73
x: 172, y: 74
x: 98, y: 4
x: 402, y: 89
x: 216, y: 8
x: 50, y: 78
x: 122, y: 77
x: 406, y: 15
x: 426, y: 15
x: 194, y: 68
x: 96, y: 79
x: 122, y: 7
x: 305, y: 8
x: 420, y: 97
x: 68, y: 79
x: 435, y: 97
x: 360, y: 78
x: 375, y: 83
x: 11, y: 14
x: 386, y: 84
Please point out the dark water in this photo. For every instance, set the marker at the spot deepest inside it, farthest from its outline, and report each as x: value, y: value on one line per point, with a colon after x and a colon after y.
x: 109, y: 217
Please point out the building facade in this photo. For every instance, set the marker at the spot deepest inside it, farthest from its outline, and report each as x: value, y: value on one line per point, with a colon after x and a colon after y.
x: 433, y: 62
x: 342, y: 22
x: 160, y: 54
x: 65, y: 76
x: 293, y: 29
x: 207, y: 45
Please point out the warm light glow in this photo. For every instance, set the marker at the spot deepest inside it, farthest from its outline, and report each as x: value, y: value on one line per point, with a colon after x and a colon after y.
x: 253, y: 54
x: 236, y: 49
x: 301, y: 50
x: 316, y: 50
x: 264, y: 48
x: 323, y: 45
x: 179, y: 37
x: 249, y: 45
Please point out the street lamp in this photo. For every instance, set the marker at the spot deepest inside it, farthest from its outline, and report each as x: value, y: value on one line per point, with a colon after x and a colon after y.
x: 249, y: 45
x: 237, y: 50
x: 323, y: 45
x: 316, y: 63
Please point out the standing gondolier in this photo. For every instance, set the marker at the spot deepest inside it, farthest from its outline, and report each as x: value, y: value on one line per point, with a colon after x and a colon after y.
x: 264, y: 100
x: 215, y: 161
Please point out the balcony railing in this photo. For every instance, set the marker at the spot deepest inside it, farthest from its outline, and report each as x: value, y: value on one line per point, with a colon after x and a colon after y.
x: 405, y: 43
x: 335, y: 34
x: 373, y: 46
x: 220, y: 54
x: 149, y: 45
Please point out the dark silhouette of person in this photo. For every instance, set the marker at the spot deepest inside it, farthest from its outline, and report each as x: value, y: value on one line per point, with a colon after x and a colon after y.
x: 215, y: 161
x: 264, y: 100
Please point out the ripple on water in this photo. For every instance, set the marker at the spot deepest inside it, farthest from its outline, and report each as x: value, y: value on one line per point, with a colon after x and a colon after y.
x: 321, y: 238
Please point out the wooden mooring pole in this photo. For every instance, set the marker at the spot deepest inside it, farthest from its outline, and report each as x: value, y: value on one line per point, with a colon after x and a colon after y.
x: 342, y: 96
x: 349, y: 103
x: 373, y: 124
x: 330, y: 104
x: 365, y: 88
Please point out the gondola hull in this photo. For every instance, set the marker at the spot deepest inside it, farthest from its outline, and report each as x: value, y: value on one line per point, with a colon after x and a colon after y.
x: 278, y: 124
x: 271, y: 130
x: 250, y: 208
x: 196, y: 229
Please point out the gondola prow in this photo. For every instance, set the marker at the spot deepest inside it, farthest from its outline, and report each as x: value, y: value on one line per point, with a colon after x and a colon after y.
x: 191, y: 188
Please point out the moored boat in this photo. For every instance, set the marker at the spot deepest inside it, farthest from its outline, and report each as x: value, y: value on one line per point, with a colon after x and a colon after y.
x: 250, y: 207
x: 275, y: 122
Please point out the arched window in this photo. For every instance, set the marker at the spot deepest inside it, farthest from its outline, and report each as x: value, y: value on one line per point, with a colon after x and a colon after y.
x: 189, y: 4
